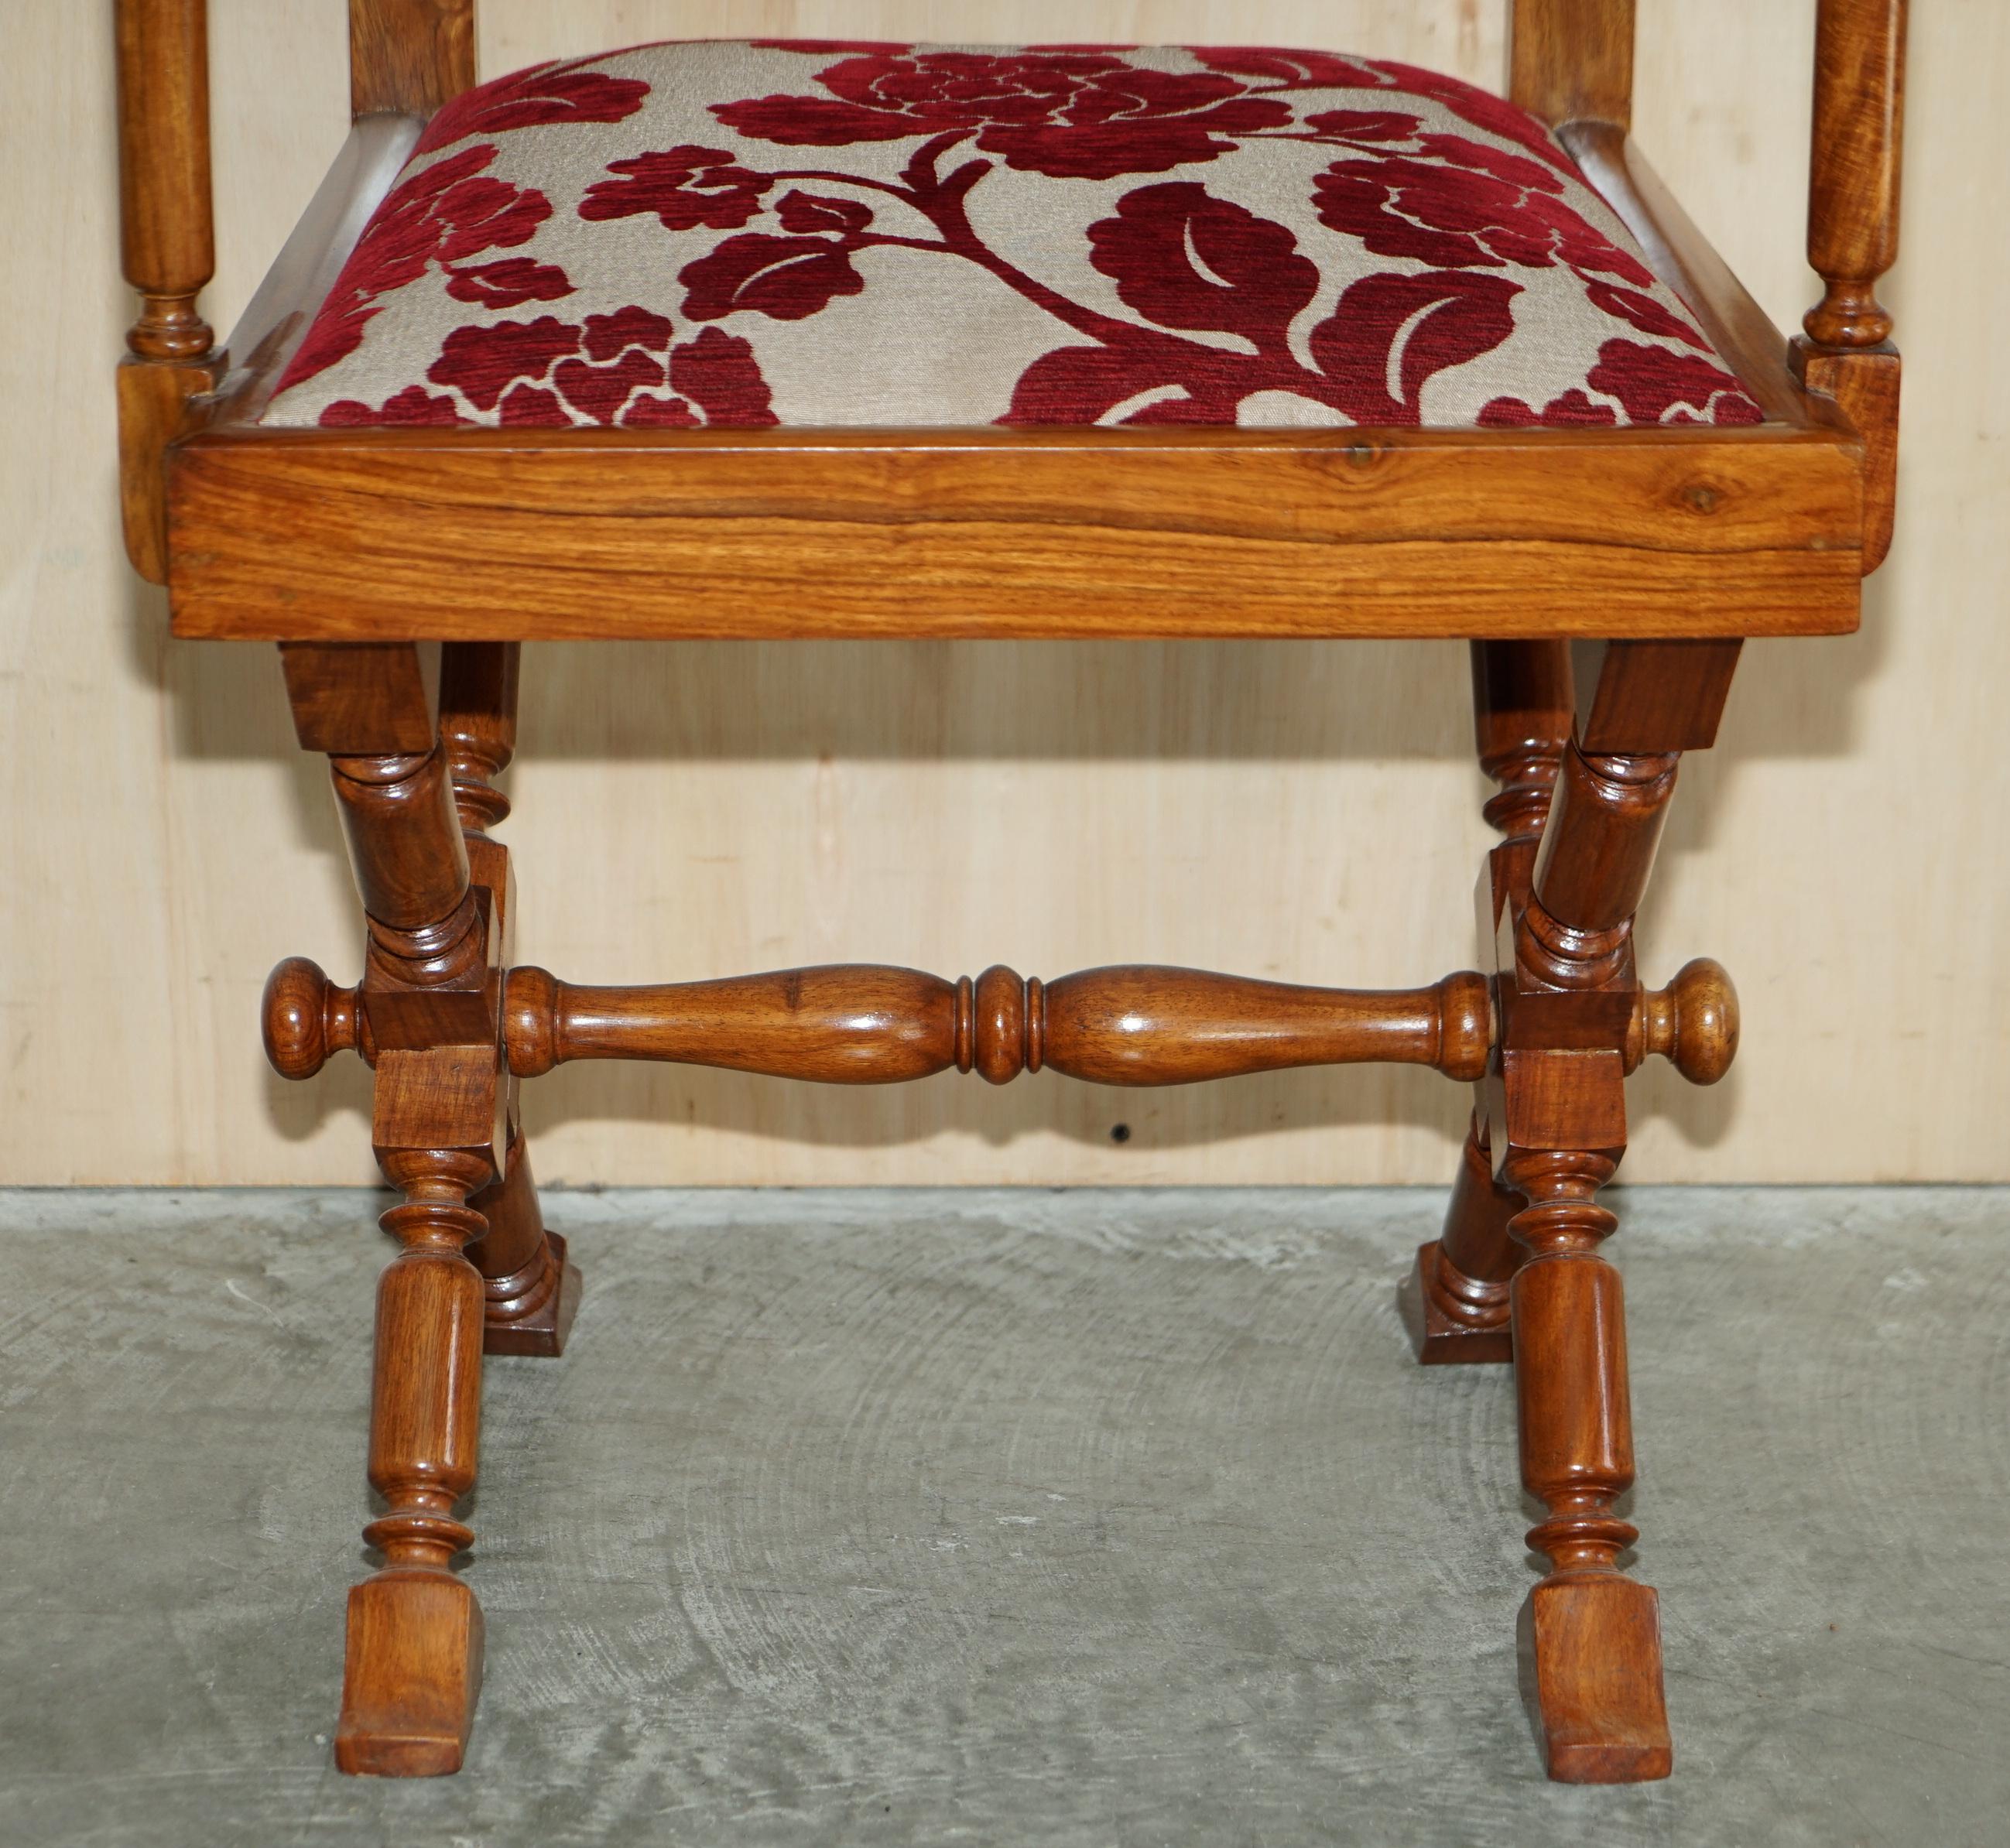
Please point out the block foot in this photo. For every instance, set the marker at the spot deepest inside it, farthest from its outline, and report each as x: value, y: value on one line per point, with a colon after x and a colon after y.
x: 412, y: 1670
x: 533, y: 1314
x: 1453, y: 1319
x: 1591, y: 1669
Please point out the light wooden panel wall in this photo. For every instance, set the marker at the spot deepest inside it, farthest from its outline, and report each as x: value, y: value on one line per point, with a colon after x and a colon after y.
x: 1294, y: 810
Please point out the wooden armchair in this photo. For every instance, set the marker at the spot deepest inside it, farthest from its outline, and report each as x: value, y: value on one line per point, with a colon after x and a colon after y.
x: 873, y: 340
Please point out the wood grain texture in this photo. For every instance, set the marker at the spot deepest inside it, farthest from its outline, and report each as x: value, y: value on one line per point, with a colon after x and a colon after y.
x: 869, y: 1024
x: 1865, y: 381
x: 168, y: 250
x: 407, y: 57
x: 1001, y: 533
x: 167, y: 241
x: 1651, y: 695
x: 1859, y: 112
x: 1454, y: 1301
x: 1846, y: 350
x: 773, y: 806
x: 154, y: 408
x: 1572, y: 60
x: 413, y: 1659
x: 502, y: 535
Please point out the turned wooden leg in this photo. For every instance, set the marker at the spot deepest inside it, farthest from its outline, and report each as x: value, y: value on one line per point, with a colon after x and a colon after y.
x: 426, y: 1015
x: 1454, y: 1300
x: 1590, y: 1637
x: 414, y: 1661
x: 531, y: 1289
x: 1573, y: 1021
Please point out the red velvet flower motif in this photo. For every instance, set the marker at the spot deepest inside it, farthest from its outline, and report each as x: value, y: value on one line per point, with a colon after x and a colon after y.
x: 685, y: 186
x: 1658, y: 386
x: 1298, y: 70
x: 1071, y: 115
x: 446, y: 212
x: 786, y: 278
x: 621, y: 368
x: 546, y: 93
x: 1184, y: 259
x: 412, y: 406
x: 1483, y: 214
x: 508, y: 284
x: 1188, y: 260
x: 1481, y: 107
x: 1653, y: 386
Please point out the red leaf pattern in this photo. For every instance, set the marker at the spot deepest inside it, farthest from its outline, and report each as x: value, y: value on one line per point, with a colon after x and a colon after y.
x: 621, y: 368
x: 508, y: 284
x: 544, y: 93
x: 444, y: 207
x: 684, y: 186
x: 1390, y: 335
x: 788, y: 278
x: 1363, y: 240
x: 1070, y: 115
x: 1187, y: 261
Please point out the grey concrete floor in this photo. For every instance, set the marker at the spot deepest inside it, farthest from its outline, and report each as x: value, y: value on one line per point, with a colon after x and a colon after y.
x: 1026, y: 1517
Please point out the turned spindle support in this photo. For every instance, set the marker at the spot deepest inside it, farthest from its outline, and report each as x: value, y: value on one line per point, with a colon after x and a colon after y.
x: 864, y: 1024
x: 1455, y: 1301
x: 168, y: 252
x: 1846, y: 349
x: 867, y: 1023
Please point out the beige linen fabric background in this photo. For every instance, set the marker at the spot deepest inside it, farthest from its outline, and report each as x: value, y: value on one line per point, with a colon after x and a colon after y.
x: 1305, y: 811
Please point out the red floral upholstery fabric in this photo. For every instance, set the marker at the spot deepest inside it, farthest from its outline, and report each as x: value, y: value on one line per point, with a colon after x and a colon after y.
x: 812, y: 233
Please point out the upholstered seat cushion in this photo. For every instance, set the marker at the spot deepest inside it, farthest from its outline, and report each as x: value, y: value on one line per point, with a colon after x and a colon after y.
x: 811, y: 233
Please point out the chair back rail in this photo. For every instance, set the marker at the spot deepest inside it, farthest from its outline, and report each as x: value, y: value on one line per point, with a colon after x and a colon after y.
x: 1572, y: 60
x: 409, y: 56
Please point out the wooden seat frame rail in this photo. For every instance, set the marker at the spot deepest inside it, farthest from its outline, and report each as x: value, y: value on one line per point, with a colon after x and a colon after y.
x: 401, y: 569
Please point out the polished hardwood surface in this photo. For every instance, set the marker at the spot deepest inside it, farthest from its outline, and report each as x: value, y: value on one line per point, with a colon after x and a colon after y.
x: 407, y: 57
x: 1571, y: 61
x: 530, y: 1289
x: 342, y: 534
x: 401, y: 569
x: 1853, y: 191
x: 284, y: 535
x: 861, y: 1025
x: 167, y: 249
x: 1846, y: 349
